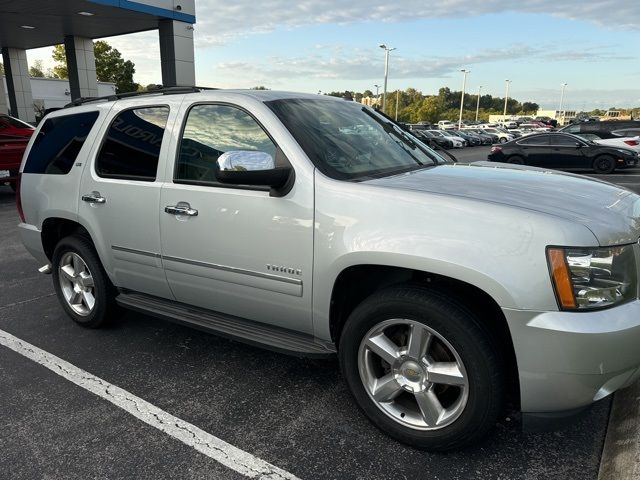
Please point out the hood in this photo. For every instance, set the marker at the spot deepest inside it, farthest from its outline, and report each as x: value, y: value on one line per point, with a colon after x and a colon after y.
x: 610, y: 212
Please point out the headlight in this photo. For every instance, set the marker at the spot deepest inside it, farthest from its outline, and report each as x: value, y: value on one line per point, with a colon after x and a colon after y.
x: 587, y: 278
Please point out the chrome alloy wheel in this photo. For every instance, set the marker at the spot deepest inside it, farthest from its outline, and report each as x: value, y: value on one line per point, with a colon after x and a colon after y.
x: 413, y: 374
x: 76, y: 283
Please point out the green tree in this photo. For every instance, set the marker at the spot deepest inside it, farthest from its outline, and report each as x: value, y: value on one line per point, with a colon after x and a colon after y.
x: 36, y: 70
x: 1, y: 69
x: 530, y: 107
x: 110, y: 66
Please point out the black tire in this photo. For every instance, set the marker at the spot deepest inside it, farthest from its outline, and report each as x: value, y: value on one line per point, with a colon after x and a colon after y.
x: 516, y: 160
x: 105, y: 307
x: 485, y: 371
x: 604, y: 164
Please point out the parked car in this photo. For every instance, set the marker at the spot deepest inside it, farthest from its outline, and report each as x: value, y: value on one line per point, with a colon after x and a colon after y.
x: 318, y: 227
x: 632, y: 143
x: 502, y: 135
x: 457, y: 142
x: 14, y: 127
x: 453, y: 135
x: 601, y: 129
x: 446, y: 125
x: 486, y: 137
x: 434, y: 140
x: 627, y: 132
x: 566, y: 151
x: 469, y: 137
x: 14, y: 137
x: 11, y: 151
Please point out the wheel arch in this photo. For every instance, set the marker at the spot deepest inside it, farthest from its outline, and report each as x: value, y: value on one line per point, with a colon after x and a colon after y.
x: 357, y: 282
x: 56, y: 228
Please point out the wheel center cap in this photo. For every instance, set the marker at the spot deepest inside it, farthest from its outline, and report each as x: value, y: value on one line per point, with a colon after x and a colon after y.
x: 411, y: 376
x: 411, y: 371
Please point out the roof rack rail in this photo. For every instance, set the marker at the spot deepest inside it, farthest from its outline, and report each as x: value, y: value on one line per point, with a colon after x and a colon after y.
x: 155, y: 91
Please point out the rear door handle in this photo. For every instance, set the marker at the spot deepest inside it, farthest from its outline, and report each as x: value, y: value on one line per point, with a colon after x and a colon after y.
x: 182, y: 208
x: 93, y: 197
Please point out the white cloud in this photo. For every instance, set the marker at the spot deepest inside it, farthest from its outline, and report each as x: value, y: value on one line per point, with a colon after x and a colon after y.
x: 218, y: 21
x: 358, y: 64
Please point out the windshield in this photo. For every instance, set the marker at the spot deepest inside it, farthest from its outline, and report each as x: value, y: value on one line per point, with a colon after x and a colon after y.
x: 348, y: 141
x: 14, y: 122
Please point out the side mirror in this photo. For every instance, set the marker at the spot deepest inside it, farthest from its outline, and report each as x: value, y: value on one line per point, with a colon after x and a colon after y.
x: 578, y: 145
x: 248, y: 167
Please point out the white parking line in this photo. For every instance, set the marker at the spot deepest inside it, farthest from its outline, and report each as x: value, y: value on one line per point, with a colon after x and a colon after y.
x: 213, y: 447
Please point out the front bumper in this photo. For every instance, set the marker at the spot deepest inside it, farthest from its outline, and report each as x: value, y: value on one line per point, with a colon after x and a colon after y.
x: 32, y: 240
x: 568, y: 360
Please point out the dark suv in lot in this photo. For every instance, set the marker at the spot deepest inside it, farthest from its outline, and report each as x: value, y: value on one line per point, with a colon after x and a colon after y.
x: 603, y: 129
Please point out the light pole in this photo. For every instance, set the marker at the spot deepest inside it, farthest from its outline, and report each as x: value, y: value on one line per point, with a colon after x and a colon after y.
x: 386, y: 72
x: 563, y: 85
x: 464, y: 85
x: 478, y: 104
x: 506, y: 98
x: 377, y: 94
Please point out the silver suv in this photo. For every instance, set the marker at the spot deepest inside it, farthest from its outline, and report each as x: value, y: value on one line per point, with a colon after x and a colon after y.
x: 315, y: 226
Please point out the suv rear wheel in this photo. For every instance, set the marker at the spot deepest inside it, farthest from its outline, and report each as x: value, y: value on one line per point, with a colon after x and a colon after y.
x: 81, y: 284
x: 422, y: 368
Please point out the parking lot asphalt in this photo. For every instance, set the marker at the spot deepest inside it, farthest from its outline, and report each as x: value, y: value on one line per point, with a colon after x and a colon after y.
x: 627, y: 178
x: 293, y: 413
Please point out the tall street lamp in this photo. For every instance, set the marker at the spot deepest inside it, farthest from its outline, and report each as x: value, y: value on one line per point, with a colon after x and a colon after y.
x: 386, y: 72
x: 478, y: 104
x: 563, y: 85
x: 464, y: 85
x: 377, y: 93
x: 506, y: 98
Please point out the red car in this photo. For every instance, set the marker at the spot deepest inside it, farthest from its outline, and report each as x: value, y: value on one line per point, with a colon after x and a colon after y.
x: 14, y: 137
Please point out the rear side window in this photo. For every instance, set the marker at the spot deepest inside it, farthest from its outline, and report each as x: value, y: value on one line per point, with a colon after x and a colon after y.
x: 537, y: 140
x: 58, y: 143
x: 131, y: 147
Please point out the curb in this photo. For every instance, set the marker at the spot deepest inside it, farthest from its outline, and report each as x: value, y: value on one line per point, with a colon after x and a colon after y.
x: 621, y: 454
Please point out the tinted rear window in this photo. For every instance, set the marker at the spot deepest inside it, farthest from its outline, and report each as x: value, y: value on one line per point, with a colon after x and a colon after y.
x: 131, y: 148
x: 58, y: 143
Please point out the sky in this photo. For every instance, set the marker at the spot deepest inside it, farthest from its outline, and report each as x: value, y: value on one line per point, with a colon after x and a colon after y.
x: 330, y: 45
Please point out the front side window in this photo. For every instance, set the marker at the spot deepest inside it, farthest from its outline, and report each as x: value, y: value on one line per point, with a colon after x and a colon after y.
x: 348, y: 141
x: 210, y: 131
x: 572, y: 129
x: 131, y: 147
x: 58, y: 143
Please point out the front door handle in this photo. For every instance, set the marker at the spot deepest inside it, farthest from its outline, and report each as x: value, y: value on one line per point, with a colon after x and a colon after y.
x: 182, y: 208
x: 94, y: 197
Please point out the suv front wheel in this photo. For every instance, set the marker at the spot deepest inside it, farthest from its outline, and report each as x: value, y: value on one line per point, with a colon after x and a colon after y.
x: 422, y: 368
x: 81, y: 284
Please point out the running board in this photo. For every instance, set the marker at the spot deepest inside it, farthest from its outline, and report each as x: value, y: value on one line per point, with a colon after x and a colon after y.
x: 247, y: 331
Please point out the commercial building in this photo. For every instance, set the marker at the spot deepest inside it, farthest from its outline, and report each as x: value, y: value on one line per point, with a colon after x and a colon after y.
x: 28, y: 24
x: 55, y: 93
x: 563, y: 117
